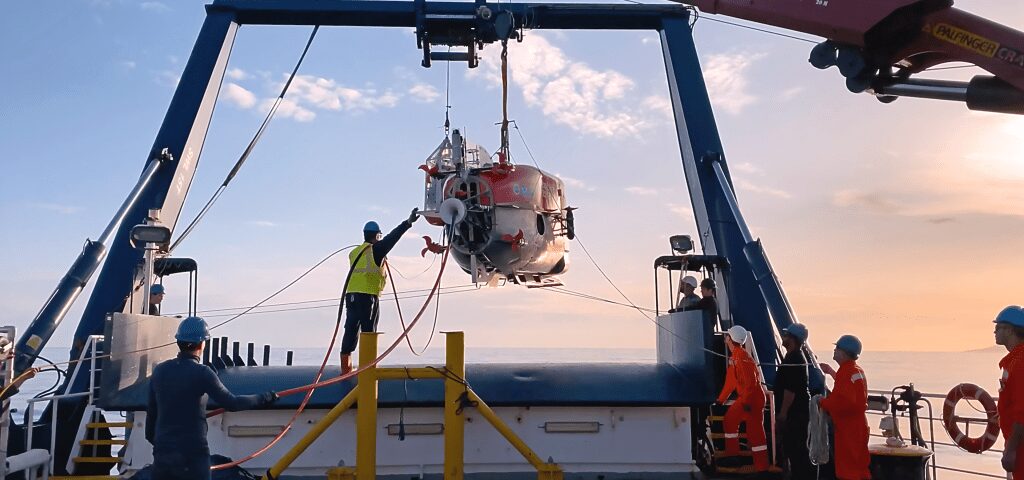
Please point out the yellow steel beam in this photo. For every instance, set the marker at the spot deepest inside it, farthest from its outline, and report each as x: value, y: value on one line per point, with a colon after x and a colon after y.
x: 366, y: 411
x: 454, y: 423
x: 418, y: 373
x: 314, y: 433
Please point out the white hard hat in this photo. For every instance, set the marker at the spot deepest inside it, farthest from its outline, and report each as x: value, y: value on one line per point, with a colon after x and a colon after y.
x: 738, y: 334
x: 689, y: 280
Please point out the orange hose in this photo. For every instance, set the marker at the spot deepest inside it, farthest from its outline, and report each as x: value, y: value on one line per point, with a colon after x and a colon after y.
x: 317, y: 383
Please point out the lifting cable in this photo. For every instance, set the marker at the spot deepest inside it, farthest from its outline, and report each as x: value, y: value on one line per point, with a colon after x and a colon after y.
x: 697, y: 16
x: 319, y: 373
x: 643, y: 311
x: 398, y: 306
x: 403, y: 295
x: 504, y: 102
x: 639, y: 309
x: 248, y: 149
x: 318, y: 383
x: 261, y: 302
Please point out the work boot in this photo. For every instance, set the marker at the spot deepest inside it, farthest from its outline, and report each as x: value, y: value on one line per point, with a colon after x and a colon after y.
x: 346, y: 363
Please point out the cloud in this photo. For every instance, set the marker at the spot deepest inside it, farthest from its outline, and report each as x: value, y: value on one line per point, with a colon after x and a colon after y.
x: 751, y: 187
x: 289, y: 109
x: 127, y: 64
x: 791, y: 93
x: 423, y: 93
x: 660, y: 105
x: 941, y: 220
x: 727, y: 84
x: 239, y: 96
x: 327, y: 94
x: 262, y: 223
x: 157, y: 7
x: 642, y: 191
x: 168, y: 78
x: 871, y: 201
x: 59, y: 208
x: 307, y: 94
x: 745, y: 167
x: 682, y: 210
x: 576, y: 183
x: 379, y: 209
x: 237, y: 74
x: 569, y: 92
x: 978, y: 173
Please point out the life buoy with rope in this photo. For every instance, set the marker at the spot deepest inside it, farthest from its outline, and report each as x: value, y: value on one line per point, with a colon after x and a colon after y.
x: 971, y: 391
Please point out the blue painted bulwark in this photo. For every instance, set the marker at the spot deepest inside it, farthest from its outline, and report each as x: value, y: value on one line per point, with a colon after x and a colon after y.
x: 500, y: 385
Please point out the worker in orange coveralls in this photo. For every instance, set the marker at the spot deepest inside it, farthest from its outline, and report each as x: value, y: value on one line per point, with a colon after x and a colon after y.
x: 741, y: 376
x: 848, y: 405
x: 1009, y: 332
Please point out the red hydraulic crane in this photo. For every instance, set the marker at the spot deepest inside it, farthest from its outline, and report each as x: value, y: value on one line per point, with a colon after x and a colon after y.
x: 879, y: 45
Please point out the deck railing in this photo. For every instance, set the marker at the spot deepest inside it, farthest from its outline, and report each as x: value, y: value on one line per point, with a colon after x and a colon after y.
x: 930, y: 420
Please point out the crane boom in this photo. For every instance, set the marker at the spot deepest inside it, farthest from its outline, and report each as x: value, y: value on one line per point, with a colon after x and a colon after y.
x: 879, y: 45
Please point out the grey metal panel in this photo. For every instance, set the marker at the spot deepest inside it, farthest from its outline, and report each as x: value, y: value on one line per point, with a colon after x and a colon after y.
x: 136, y: 344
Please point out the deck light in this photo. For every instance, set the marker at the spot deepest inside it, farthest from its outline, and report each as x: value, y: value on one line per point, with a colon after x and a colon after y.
x: 681, y: 244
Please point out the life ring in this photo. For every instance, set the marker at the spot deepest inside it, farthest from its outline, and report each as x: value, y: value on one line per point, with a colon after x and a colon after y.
x: 974, y: 392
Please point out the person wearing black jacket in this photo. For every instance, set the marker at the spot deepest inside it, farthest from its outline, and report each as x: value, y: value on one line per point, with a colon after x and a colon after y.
x: 176, y: 412
x: 791, y: 399
x: 708, y: 303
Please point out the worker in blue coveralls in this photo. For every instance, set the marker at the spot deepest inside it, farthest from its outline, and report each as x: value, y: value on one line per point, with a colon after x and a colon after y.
x: 176, y: 413
x: 366, y: 281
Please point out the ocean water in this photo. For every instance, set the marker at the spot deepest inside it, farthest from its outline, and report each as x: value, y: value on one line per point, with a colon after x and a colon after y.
x: 930, y: 372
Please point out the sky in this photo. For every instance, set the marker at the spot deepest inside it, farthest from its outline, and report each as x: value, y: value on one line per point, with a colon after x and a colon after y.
x: 900, y: 223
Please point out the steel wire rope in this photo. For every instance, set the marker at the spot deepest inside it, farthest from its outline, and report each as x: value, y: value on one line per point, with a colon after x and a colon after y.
x: 401, y: 319
x: 293, y: 282
x: 303, y: 302
x: 248, y: 149
x: 657, y: 323
x: 317, y: 384
x: 319, y: 373
x: 697, y: 16
x: 449, y: 291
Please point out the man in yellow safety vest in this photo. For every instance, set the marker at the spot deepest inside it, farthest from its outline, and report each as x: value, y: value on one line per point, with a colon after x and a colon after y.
x: 369, y: 275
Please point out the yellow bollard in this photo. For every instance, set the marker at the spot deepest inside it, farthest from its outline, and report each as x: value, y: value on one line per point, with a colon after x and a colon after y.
x: 549, y: 471
x: 454, y: 423
x: 366, y: 409
x: 341, y: 473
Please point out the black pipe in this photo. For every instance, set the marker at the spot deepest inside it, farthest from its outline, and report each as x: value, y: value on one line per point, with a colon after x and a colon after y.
x: 266, y: 355
x: 288, y: 358
x: 216, y: 360
x: 224, y: 357
x: 982, y: 93
x: 206, y: 356
x: 235, y: 357
x: 251, y: 357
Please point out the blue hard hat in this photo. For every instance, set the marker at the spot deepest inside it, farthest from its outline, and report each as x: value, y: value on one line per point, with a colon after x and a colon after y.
x: 371, y: 227
x: 156, y: 289
x: 797, y: 331
x: 192, y: 330
x: 1013, y: 315
x: 850, y: 344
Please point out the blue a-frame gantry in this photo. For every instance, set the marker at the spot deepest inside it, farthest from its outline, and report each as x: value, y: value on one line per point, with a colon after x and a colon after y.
x: 750, y: 295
